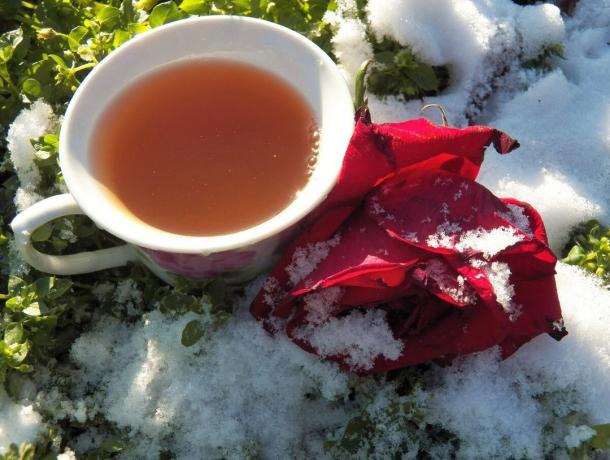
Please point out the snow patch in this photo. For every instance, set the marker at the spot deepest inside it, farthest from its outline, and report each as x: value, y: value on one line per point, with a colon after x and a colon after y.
x: 18, y: 423
x: 539, y: 25
x: 361, y: 337
x: 241, y: 384
x: 482, y: 241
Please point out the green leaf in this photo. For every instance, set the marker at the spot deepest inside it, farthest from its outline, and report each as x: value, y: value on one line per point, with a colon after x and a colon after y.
x: 164, y: 13
x: 76, y: 36
x: 575, y: 255
x: 8, y: 43
x: 114, y: 444
x: 20, y: 352
x: 13, y: 333
x: 59, y: 288
x: 385, y: 57
x: 42, y: 286
x: 601, y: 439
x: 424, y: 77
x: 146, y: 4
x: 217, y: 291
x: 42, y: 157
x: 128, y: 12
x: 193, y: 331
x: 42, y: 233
x: 355, y: 433
x: 120, y: 37
x: 108, y: 17
x: 32, y: 310
x: 15, y: 303
x: 137, y: 28
x: 405, y: 59
x: 178, y: 302
x: 59, y: 61
x: 360, y: 87
x: 25, y: 451
x: 48, y: 142
x: 24, y: 368
x: 15, y: 285
x: 195, y: 6
x: 31, y: 87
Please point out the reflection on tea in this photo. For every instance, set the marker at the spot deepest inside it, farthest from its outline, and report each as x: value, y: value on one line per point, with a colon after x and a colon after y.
x: 205, y: 147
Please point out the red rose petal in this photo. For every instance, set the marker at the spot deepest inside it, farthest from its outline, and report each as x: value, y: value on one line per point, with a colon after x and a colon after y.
x: 434, y: 210
x: 387, y: 238
x: 376, y: 151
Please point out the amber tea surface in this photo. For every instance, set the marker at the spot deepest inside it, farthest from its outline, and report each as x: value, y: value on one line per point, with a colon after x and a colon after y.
x: 205, y: 147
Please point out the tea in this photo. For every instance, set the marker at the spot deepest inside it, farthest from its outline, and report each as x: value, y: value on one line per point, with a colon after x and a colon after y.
x: 205, y: 147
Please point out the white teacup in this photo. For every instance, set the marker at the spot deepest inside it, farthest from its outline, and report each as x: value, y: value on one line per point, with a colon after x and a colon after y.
x: 239, y: 255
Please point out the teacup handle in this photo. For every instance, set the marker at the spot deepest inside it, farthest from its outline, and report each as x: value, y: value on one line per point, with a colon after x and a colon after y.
x: 51, y: 208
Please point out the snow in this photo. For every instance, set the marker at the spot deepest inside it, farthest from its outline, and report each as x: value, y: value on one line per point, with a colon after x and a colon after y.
x: 18, y: 423
x: 448, y: 281
x: 518, y: 218
x: 472, y: 38
x: 480, y: 240
x: 498, y: 274
x: 561, y: 121
x: 31, y: 123
x: 560, y: 206
x: 360, y: 336
x: 350, y: 43
x: 68, y: 454
x: 319, y: 304
x: 539, y: 25
x: 577, y: 435
x: 306, y: 259
x: 241, y: 384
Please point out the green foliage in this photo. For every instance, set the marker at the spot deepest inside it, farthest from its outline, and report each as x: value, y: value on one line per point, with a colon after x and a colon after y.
x: 249, y: 450
x: 46, y: 160
x: 589, y: 248
x: 24, y: 452
x: 209, y: 298
x: 29, y: 320
x: 543, y: 62
x: 114, y: 444
x: 165, y: 13
x: 600, y: 442
x: 193, y: 331
x: 56, y: 44
x: 391, y: 422
x: 304, y: 16
x: 394, y: 429
x: 601, y: 439
x: 395, y: 70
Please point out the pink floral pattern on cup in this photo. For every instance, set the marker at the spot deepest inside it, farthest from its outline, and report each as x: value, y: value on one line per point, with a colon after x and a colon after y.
x: 200, y: 266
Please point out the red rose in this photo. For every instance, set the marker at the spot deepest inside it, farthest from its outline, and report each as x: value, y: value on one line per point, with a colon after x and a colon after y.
x: 413, y: 258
